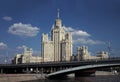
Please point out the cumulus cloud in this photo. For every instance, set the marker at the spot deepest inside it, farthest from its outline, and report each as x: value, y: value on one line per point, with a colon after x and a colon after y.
x: 68, y: 29
x: 81, y: 37
x: 76, y: 32
x: 21, y: 29
x: 22, y: 47
x: 80, y: 33
x: 87, y: 41
x: 3, y: 45
x: 7, y: 18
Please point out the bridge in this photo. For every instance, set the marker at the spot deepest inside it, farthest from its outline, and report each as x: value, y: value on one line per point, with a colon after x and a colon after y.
x: 79, y: 68
x: 52, y: 68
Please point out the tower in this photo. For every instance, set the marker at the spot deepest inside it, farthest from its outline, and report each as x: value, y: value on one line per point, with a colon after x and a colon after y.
x: 58, y: 34
x: 82, y: 53
x: 59, y: 48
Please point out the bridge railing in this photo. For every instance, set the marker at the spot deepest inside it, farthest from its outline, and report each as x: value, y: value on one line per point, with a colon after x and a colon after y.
x: 89, y: 60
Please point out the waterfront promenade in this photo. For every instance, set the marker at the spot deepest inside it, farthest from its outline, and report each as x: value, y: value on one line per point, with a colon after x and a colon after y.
x: 20, y: 77
x: 30, y: 77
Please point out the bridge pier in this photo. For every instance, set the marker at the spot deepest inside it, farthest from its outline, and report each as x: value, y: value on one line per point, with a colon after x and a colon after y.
x: 27, y: 70
x: 51, y: 69
x: 37, y: 71
x: 42, y: 70
x: 1, y: 70
x: 54, y: 69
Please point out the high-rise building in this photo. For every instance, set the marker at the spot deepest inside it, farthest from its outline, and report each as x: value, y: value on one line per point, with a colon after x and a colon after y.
x: 59, y: 47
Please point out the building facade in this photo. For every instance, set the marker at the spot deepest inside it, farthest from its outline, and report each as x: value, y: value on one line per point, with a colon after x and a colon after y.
x: 83, y: 54
x: 103, y: 55
x: 59, y: 47
x: 26, y: 57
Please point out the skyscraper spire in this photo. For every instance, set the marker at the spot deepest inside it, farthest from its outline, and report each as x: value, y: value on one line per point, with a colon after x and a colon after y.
x: 58, y: 14
x: 58, y: 22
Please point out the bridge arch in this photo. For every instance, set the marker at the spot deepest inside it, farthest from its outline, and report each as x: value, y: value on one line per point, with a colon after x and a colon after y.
x: 74, y: 69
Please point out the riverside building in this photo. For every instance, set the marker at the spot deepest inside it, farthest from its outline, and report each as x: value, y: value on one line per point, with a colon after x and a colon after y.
x: 83, y: 54
x: 26, y: 57
x: 59, y: 47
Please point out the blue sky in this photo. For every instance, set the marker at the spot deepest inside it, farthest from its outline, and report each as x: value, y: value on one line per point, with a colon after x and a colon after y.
x: 93, y: 23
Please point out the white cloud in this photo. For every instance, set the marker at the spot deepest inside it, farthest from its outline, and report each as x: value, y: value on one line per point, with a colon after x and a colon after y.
x: 22, y: 47
x: 21, y: 29
x: 3, y: 45
x: 80, y: 33
x: 76, y: 32
x: 81, y: 37
x: 87, y: 41
x: 7, y: 18
x: 68, y: 29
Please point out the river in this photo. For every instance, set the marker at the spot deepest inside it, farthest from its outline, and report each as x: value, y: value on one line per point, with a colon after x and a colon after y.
x: 105, y: 78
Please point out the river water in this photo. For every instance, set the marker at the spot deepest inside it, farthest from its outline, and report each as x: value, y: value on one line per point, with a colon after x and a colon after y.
x: 111, y: 78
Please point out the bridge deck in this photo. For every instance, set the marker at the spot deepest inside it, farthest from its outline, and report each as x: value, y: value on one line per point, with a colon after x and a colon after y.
x: 48, y: 67
x: 74, y: 69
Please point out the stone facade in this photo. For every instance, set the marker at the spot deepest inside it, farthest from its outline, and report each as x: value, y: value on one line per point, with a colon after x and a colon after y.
x: 59, y: 47
x: 26, y: 57
x: 83, y: 54
x: 102, y: 54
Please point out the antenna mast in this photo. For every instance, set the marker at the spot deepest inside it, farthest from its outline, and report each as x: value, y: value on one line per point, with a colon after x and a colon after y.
x: 109, y: 48
x: 58, y: 14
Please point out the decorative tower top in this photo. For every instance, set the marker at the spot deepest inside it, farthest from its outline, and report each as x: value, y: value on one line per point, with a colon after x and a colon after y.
x: 58, y: 22
x: 58, y: 14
